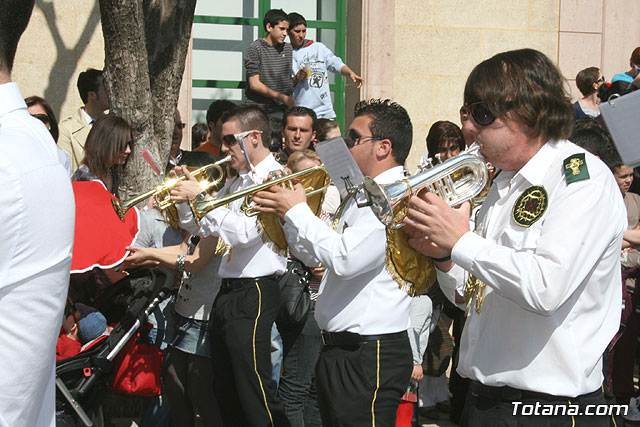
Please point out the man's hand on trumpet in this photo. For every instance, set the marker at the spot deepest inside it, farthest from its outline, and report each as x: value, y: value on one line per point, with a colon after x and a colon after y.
x: 434, y: 228
x: 186, y: 189
x: 278, y: 200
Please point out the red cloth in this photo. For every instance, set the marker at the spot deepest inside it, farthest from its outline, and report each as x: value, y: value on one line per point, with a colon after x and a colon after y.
x: 404, y: 414
x: 100, y: 237
x: 208, y: 147
x: 67, y: 347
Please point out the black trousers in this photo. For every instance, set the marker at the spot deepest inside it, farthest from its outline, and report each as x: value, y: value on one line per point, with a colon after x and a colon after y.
x: 361, y: 385
x: 494, y: 406
x: 241, y: 321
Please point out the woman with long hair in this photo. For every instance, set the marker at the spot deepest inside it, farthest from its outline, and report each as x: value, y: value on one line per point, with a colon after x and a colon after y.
x: 107, y: 149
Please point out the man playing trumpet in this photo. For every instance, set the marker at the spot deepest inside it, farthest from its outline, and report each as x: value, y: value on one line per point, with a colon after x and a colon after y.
x: 365, y: 365
x: 249, y: 298
x: 543, y: 293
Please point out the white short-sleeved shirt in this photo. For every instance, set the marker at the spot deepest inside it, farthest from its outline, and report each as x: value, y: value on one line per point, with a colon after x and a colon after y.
x: 37, y: 216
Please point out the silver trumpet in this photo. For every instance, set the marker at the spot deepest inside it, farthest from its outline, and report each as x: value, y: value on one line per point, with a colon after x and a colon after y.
x: 456, y: 180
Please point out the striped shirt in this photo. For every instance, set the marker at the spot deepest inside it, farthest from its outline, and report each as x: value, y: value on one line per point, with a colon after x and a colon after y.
x: 273, y: 65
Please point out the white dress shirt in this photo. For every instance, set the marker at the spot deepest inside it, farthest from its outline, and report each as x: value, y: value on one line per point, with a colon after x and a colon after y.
x: 37, y: 216
x: 553, y: 290
x: 250, y: 256
x: 356, y: 294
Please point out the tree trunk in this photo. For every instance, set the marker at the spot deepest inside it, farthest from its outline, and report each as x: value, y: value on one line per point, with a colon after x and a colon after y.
x: 146, y: 44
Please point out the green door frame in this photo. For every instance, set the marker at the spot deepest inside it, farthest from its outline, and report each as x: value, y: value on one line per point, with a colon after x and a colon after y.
x: 263, y: 6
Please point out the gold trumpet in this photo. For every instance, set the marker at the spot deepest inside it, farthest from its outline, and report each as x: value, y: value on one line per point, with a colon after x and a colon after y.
x: 315, y: 181
x: 162, y: 192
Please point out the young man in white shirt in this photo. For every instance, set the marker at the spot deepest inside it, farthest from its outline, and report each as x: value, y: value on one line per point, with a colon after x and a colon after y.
x: 366, y: 362
x: 544, y: 293
x: 35, y: 245
x: 249, y: 298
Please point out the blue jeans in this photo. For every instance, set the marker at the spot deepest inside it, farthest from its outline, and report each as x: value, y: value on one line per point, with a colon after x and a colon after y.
x: 297, y: 388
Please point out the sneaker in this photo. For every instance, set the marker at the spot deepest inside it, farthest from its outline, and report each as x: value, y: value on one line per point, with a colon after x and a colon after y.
x: 633, y: 414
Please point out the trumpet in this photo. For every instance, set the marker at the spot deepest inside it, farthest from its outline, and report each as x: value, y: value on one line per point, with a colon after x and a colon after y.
x: 162, y: 192
x: 314, y: 179
x: 456, y: 180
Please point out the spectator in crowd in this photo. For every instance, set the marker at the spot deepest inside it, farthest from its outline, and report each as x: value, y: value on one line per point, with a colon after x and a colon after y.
x: 177, y: 156
x: 199, y: 135
x: 444, y: 140
x: 39, y: 108
x: 312, y: 62
x: 298, y: 132
x: 81, y: 326
x: 267, y: 62
x: 107, y: 149
x: 588, y: 81
x: 528, y: 286
x: 35, y: 245
x: 75, y: 129
x: 327, y: 128
x: 631, y: 76
x: 214, y: 113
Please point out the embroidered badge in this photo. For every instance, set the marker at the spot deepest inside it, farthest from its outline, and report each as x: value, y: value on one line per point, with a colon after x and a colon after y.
x: 530, y: 206
x: 575, y: 168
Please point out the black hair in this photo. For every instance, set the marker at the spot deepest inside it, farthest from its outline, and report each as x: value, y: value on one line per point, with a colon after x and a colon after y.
x: 443, y: 131
x: 526, y: 86
x: 250, y: 117
x: 273, y: 17
x: 89, y: 81
x: 53, y: 122
x: 299, y: 111
x: 619, y: 88
x: 296, y: 19
x: 198, y: 134
x: 14, y: 18
x: 217, y: 109
x: 596, y: 139
x: 389, y: 120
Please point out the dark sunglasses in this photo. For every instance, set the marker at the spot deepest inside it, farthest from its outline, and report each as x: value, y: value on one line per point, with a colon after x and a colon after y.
x: 181, y: 125
x: 42, y: 117
x: 601, y: 79
x: 480, y: 113
x: 232, y: 139
x: 353, y: 138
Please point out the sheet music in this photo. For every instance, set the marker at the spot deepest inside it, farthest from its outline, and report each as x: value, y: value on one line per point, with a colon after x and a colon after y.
x: 339, y: 163
x: 621, y: 116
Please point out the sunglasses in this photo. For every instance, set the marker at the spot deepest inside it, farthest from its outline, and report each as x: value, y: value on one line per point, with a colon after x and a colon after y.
x: 601, y: 79
x: 353, y: 138
x: 480, y: 113
x: 232, y: 139
x: 181, y: 125
x: 42, y: 117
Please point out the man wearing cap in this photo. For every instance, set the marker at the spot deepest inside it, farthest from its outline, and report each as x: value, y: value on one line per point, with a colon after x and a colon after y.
x: 543, y: 290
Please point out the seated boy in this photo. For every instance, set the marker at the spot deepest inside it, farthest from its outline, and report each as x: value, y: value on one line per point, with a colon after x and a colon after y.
x: 81, y: 326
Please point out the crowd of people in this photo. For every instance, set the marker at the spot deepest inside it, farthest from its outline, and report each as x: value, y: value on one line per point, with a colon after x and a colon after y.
x: 522, y: 296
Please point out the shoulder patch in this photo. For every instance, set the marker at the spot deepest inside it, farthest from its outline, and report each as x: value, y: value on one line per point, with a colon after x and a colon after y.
x: 575, y: 168
x: 530, y: 206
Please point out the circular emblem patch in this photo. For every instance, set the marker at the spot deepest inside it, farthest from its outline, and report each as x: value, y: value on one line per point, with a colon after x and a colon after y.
x: 530, y: 206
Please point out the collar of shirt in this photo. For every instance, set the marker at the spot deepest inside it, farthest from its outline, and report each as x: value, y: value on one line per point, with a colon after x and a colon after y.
x: 11, y: 98
x: 87, y: 117
x: 262, y: 169
x: 390, y: 175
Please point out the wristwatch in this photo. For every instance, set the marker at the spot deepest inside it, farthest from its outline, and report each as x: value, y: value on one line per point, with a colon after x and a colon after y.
x: 200, y: 197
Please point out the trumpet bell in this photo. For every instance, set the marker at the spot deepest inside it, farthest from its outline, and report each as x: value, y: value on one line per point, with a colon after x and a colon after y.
x: 456, y: 180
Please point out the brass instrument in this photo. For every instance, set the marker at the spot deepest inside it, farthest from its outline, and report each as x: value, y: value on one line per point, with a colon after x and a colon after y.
x: 455, y: 180
x: 162, y: 192
x: 306, y: 176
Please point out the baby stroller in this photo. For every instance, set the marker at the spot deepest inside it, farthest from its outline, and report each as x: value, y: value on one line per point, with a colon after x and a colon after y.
x: 82, y: 380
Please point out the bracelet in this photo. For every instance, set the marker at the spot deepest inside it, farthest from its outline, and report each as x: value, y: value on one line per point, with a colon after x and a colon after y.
x: 443, y: 259
x: 180, y: 267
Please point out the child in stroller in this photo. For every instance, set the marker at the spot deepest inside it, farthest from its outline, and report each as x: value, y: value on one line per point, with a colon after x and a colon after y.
x: 82, y: 380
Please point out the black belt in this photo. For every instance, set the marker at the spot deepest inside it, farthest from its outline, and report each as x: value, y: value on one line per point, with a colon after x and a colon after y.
x: 351, y: 338
x: 244, y: 281
x: 510, y: 394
